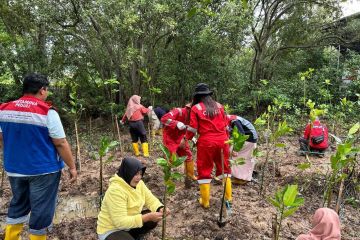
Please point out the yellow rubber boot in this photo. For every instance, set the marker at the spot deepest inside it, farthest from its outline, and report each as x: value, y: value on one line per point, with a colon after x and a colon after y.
x: 204, y: 200
x: 228, y: 189
x: 136, y: 149
x: 37, y: 237
x: 189, y: 168
x: 13, y: 231
x: 145, y: 148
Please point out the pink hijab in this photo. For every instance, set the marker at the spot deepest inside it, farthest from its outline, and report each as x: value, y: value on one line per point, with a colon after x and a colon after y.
x: 326, y: 226
x: 133, y: 105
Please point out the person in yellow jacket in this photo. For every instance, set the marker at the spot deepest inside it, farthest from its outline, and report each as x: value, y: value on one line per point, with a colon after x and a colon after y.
x: 121, y: 215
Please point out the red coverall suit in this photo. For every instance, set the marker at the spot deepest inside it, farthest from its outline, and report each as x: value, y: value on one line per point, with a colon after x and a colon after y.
x: 172, y: 137
x: 211, y: 141
x: 314, y: 131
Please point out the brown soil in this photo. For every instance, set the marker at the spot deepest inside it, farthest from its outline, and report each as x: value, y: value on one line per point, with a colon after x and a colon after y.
x: 252, y: 214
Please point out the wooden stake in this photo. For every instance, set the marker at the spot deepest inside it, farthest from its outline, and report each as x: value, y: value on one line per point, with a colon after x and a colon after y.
x: 78, y: 158
x: 338, y: 202
x: 118, y: 133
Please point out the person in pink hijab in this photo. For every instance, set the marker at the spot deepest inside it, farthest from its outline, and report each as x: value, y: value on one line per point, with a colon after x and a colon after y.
x: 135, y: 115
x: 326, y: 226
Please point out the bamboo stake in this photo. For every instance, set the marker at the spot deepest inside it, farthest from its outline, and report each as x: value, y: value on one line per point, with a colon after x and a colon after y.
x: 338, y: 202
x: 118, y: 133
x: 78, y: 157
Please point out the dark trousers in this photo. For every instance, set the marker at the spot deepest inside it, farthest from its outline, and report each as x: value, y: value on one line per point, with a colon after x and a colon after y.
x: 135, y: 233
x: 137, y: 131
x: 35, y: 195
x: 304, y: 146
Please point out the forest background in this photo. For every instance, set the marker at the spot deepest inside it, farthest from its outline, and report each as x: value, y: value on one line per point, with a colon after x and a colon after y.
x: 99, y: 53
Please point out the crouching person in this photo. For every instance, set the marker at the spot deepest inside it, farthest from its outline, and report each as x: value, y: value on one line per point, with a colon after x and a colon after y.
x: 243, y: 173
x: 121, y: 215
x: 315, y: 139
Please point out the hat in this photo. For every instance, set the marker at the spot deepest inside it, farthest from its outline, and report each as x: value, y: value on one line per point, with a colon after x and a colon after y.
x: 202, y: 89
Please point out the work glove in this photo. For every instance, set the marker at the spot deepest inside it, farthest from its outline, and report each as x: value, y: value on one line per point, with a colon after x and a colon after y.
x: 150, y: 108
x: 194, y: 140
x: 122, y: 123
x: 180, y: 126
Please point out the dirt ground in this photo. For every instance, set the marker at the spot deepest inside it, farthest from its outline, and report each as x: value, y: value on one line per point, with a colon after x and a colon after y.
x: 251, y: 217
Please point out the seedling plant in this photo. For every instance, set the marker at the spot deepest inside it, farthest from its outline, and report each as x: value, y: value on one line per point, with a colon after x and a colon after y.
x: 286, y: 202
x: 342, y: 162
x: 272, y: 134
x: 168, y: 164
x: 105, y: 145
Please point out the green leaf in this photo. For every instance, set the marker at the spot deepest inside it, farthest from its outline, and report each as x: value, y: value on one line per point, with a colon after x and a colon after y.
x: 310, y: 104
x: 178, y: 161
x: 113, y: 144
x: 290, y: 195
x: 155, y: 90
x: 290, y: 211
x: 334, y: 159
x: 354, y: 129
x: 274, y: 202
x: 192, y: 12
x: 279, y: 195
x: 298, y: 202
x: 162, y: 162
x: 280, y: 145
x: 304, y: 166
x: 259, y: 122
x: 72, y: 95
x: 170, y: 187
x: 258, y: 153
x: 238, y: 139
x: 165, y: 151
x: 176, y: 176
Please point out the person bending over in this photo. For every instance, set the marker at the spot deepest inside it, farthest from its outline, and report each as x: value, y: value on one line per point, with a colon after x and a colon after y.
x: 135, y: 115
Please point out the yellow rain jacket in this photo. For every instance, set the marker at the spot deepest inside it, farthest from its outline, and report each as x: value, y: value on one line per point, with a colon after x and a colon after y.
x: 122, y: 205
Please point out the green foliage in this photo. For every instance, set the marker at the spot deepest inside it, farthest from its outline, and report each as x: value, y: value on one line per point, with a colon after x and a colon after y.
x: 9, y: 90
x: 168, y: 164
x: 237, y: 139
x: 314, y: 113
x: 106, y: 145
x: 286, y: 202
x: 273, y: 129
x: 344, y: 158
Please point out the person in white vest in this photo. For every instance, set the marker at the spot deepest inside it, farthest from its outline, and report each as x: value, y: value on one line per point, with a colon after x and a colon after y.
x: 35, y: 149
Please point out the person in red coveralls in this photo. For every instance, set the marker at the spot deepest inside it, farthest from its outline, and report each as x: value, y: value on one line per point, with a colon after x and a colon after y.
x: 315, y: 138
x: 174, y: 131
x: 135, y: 115
x: 208, y: 119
